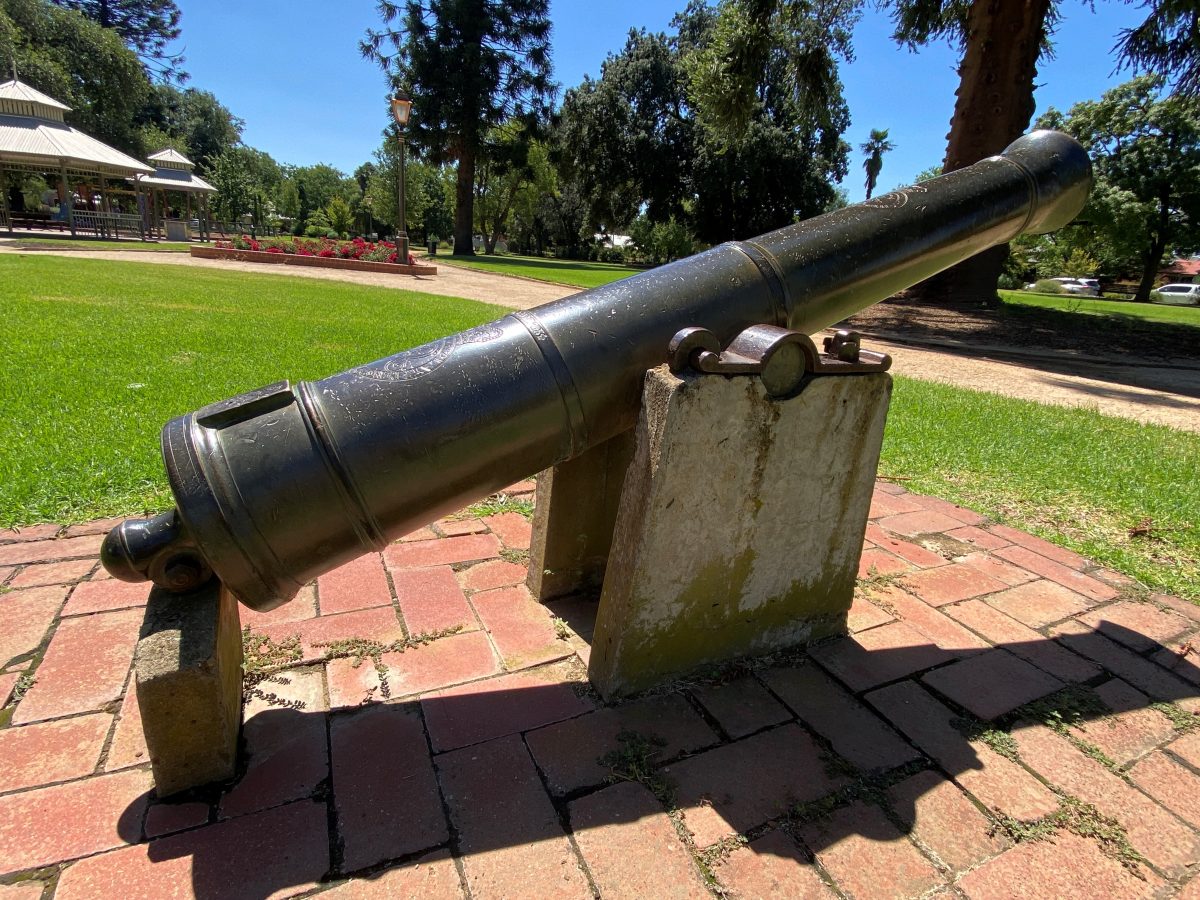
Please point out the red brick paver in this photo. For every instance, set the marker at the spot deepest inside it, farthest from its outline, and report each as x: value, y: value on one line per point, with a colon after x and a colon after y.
x: 382, y: 816
x: 944, y: 820
x: 510, y: 836
x: 1070, y: 868
x: 867, y: 855
x: 631, y: 847
x: 771, y: 866
x: 741, y: 707
x: 854, y: 732
x: 358, y: 584
x: 568, y: 752
x: 431, y: 600
x: 741, y: 785
x: 473, y: 777
x: 28, y: 615
x: 992, y: 684
x: 85, y: 666
x: 276, y: 853
x: 66, y: 821
x: 442, y: 552
x: 51, y: 751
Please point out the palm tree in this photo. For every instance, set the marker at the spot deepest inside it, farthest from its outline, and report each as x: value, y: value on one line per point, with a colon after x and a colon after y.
x: 874, y: 150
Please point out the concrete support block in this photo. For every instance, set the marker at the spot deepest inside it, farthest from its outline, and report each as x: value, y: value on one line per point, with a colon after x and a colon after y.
x: 574, y: 517
x: 740, y: 524
x: 188, y: 667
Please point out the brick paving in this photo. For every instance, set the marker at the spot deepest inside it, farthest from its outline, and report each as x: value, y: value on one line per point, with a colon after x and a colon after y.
x: 992, y: 689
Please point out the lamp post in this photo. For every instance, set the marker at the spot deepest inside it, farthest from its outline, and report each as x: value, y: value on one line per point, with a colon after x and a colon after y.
x: 401, y: 109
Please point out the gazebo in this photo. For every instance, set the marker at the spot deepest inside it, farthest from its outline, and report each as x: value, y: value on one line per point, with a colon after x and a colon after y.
x: 35, y: 138
x: 173, y: 172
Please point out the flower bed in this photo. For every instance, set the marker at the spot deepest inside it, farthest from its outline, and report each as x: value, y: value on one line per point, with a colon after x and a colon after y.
x: 322, y: 252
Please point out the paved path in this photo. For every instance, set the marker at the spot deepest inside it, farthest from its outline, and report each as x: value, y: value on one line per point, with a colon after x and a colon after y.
x: 863, y: 766
x: 450, y: 281
x: 1158, y: 397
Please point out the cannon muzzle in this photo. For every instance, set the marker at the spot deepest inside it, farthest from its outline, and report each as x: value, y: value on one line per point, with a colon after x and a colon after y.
x: 278, y: 485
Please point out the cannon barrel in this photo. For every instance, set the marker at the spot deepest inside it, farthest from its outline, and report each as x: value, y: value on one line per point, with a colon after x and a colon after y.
x: 278, y: 485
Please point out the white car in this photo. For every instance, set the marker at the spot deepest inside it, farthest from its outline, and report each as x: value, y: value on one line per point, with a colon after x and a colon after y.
x: 1178, y: 294
x: 1087, y: 287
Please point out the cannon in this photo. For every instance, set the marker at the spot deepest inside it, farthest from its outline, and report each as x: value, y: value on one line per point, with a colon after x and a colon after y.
x: 283, y: 483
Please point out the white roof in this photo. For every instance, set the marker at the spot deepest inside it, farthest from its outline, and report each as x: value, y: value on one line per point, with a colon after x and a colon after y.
x: 170, y: 159
x: 19, y: 91
x: 33, y: 133
x: 37, y: 142
x: 177, y: 180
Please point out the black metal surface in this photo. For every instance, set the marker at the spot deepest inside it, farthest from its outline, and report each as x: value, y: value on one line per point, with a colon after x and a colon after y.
x: 284, y: 483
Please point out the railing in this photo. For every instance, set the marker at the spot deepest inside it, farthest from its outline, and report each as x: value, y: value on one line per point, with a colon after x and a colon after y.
x: 227, y: 229
x: 110, y: 224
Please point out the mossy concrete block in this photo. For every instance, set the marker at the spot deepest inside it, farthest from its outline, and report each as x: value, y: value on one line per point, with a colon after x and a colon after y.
x: 188, y: 667
x: 740, y: 525
x: 574, y: 518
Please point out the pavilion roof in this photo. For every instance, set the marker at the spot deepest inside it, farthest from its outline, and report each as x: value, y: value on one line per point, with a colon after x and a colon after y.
x: 177, y: 180
x: 170, y: 159
x: 34, y: 136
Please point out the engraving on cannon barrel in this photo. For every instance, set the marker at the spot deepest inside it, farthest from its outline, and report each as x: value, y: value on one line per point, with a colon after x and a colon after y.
x: 420, y: 361
x: 896, y: 199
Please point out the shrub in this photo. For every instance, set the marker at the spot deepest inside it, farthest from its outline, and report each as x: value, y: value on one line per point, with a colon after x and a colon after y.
x: 1048, y: 286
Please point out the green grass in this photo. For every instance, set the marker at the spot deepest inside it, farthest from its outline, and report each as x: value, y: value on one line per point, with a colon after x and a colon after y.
x: 84, y: 244
x: 99, y: 354
x: 558, y: 271
x: 1073, y: 476
x: 1114, y: 309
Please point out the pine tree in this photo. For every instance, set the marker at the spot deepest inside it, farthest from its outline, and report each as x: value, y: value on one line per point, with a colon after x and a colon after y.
x: 469, y: 65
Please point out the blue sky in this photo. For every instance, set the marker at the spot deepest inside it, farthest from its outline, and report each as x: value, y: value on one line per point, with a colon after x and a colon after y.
x: 292, y: 71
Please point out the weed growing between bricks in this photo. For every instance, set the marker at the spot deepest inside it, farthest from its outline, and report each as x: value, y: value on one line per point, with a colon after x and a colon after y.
x: 1079, y: 818
x: 997, y: 739
x: 633, y: 761
x: 359, y: 650
x: 264, y: 659
x: 496, y: 505
x: 1181, y: 720
x: 517, y: 557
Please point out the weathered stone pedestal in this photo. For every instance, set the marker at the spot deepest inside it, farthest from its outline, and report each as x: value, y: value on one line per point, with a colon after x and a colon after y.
x: 188, y: 668
x: 739, y: 527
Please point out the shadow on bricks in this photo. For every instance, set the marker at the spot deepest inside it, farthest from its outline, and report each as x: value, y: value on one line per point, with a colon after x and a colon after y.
x: 880, y: 770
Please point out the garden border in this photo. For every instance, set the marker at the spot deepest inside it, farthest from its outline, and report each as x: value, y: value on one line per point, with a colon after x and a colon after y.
x: 321, y: 262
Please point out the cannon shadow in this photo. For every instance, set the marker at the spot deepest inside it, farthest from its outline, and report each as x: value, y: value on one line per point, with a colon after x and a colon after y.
x: 509, y: 795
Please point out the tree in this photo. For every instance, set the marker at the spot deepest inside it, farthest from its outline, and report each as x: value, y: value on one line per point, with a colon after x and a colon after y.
x: 873, y: 149
x: 502, y: 171
x: 79, y: 63
x: 231, y: 177
x: 633, y: 140
x: 147, y: 27
x: 1001, y: 41
x: 471, y: 65
x: 1145, y: 150
x: 206, y: 127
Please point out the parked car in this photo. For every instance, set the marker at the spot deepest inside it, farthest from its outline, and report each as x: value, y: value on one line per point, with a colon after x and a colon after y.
x: 1087, y: 287
x: 1178, y: 294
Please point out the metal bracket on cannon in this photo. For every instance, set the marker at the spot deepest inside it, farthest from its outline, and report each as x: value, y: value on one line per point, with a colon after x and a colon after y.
x: 779, y: 356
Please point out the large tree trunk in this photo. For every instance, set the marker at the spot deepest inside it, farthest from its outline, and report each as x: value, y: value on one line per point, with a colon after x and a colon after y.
x: 1153, y: 258
x: 464, y: 206
x: 995, y: 104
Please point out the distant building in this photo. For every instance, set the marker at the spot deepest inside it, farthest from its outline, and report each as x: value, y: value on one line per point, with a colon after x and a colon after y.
x: 1181, y: 270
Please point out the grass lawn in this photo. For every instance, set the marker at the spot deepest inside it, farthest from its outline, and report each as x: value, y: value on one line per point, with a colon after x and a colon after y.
x: 1115, y: 309
x: 85, y: 244
x: 99, y: 354
x: 558, y: 271
x: 1085, y: 481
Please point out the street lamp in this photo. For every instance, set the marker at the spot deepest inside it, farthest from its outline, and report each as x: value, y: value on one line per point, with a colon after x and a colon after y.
x: 401, y: 109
